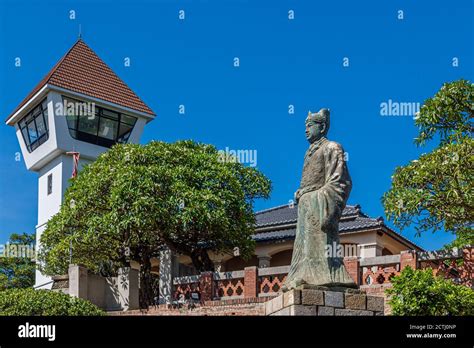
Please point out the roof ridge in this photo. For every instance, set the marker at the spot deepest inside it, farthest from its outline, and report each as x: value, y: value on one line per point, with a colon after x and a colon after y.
x: 113, y: 72
x: 57, y: 65
x: 42, y: 82
x: 272, y: 208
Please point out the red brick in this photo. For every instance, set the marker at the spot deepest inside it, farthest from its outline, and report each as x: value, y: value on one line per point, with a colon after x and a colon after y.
x: 353, y: 268
x: 250, y: 282
x: 206, y: 285
x: 408, y: 258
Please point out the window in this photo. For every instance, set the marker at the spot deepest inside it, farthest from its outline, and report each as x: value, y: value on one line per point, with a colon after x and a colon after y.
x: 88, y: 124
x: 108, y: 128
x: 34, y: 126
x: 104, y: 127
x: 50, y: 184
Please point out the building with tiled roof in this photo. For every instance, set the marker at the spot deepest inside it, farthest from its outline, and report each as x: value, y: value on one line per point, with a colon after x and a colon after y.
x: 76, y: 112
x: 280, y: 223
x: 360, y: 235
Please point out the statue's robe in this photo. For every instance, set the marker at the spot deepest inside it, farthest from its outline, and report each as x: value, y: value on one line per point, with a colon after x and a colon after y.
x: 322, y: 196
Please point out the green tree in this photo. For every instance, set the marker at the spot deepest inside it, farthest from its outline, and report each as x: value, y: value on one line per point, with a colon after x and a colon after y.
x: 18, y: 302
x: 17, y: 267
x: 136, y: 199
x: 419, y: 292
x: 436, y: 191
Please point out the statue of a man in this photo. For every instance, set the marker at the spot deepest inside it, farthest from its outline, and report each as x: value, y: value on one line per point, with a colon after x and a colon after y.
x: 321, y: 198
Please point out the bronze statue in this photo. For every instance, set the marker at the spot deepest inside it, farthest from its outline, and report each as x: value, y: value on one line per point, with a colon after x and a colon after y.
x: 321, y: 198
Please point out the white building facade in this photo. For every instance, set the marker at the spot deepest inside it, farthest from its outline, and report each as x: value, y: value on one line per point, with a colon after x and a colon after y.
x: 101, y: 110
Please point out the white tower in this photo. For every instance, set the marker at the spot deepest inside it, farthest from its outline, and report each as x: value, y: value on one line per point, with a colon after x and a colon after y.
x: 82, y: 106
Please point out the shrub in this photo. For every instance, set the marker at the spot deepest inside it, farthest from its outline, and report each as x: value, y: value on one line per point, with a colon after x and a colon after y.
x: 419, y: 292
x: 44, y: 302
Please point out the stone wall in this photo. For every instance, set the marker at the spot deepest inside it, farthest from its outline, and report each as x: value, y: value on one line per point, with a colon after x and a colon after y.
x: 109, y: 293
x: 325, y: 302
x: 379, y: 290
x: 313, y: 302
x: 96, y: 288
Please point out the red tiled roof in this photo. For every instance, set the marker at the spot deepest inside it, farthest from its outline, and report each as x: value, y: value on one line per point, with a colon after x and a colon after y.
x: 81, y: 70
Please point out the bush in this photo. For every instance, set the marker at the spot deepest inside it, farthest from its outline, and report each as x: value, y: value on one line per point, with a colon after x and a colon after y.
x: 419, y: 292
x: 44, y: 302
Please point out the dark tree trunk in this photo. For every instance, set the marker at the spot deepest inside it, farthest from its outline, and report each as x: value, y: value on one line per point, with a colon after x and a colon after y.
x: 146, y: 283
x: 201, y: 261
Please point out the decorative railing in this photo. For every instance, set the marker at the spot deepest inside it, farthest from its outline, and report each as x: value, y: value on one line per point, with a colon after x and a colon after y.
x: 253, y: 282
x: 186, y: 285
x: 229, y: 285
x: 456, y: 264
x: 271, y: 279
x: 379, y: 270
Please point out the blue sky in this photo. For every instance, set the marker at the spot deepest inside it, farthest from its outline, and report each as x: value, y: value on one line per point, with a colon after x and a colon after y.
x: 282, y: 62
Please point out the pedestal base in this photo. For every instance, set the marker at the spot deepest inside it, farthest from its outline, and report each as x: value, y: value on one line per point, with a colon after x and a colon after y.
x: 322, y: 301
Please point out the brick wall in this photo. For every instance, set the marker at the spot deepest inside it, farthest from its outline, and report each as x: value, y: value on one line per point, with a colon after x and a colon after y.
x: 352, y: 267
x: 250, y: 282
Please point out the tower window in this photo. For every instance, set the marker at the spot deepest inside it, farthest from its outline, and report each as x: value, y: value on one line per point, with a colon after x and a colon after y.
x: 101, y: 127
x: 34, y: 126
x: 50, y: 184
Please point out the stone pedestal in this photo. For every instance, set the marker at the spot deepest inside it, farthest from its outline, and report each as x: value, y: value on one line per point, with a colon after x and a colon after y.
x: 168, y: 269
x: 128, y: 288
x: 323, y: 301
x: 78, y: 281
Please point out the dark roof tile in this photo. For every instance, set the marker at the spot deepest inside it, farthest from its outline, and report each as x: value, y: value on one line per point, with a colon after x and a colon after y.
x: 270, y: 223
x: 286, y: 214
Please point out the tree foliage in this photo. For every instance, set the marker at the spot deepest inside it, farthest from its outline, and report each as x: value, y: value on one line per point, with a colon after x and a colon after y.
x: 29, y: 302
x: 136, y: 199
x: 17, y: 271
x: 419, y: 292
x: 448, y: 114
x: 436, y: 191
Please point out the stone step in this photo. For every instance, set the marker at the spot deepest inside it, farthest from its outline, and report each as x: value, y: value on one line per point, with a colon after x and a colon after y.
x: 207, y: 310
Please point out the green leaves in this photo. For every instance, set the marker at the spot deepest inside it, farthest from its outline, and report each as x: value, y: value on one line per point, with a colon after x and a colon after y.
x: 29, y: 302
x: 146, y: 196
x: 449, y: 113
x: 17, y: 272
x: 419, y: 292
x: 436, y: 191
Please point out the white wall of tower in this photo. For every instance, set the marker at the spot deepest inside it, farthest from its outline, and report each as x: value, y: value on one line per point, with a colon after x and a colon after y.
x: 60, y: 169
x: 50, y: 159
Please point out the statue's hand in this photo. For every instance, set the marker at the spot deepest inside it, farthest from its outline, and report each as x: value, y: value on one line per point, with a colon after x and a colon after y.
x: 326, y: 222
x: 297, y: 195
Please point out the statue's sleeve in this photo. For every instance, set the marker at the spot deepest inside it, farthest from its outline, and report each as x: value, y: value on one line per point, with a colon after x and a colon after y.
x: 333, y: 195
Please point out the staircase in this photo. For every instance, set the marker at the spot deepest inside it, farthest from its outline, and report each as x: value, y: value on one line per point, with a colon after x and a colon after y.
x: 252, y: 307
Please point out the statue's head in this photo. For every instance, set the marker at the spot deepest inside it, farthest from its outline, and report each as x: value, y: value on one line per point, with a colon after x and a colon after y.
x: 317, y: 125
